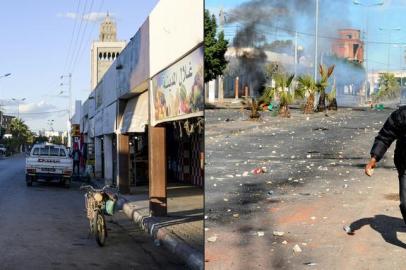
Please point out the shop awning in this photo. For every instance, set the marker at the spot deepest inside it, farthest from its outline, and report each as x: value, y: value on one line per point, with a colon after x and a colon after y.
x: 135, y: 116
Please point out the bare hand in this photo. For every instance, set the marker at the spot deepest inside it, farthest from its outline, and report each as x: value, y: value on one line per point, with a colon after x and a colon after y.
x: 369, y: 168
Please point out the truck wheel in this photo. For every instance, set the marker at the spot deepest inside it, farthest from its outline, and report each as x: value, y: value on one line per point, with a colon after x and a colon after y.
x: 28, y: 180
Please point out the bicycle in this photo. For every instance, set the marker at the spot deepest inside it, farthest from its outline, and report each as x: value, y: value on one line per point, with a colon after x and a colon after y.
x: 98, y: 203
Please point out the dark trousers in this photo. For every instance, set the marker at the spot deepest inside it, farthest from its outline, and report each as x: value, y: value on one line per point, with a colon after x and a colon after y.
x: 402, y: 195
x: 76, y: 165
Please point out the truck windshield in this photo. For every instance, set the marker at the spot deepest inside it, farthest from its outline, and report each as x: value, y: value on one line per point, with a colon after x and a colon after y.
x: 54, y: 152
x: 44, y: 151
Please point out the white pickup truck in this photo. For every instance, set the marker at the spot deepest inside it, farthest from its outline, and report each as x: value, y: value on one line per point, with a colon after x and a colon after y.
x: 48, y: 162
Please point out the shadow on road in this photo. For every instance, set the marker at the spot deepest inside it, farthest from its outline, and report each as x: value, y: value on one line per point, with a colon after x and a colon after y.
x: 385, y: 225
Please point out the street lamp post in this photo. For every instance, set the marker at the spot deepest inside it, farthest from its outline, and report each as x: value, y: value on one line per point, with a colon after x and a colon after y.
x: 401, y: 46
x: 5, y: 75
x: 366, y: 33
x: 1, y: 105
x: 389, y: 45
x: 18, y: 105
x: 316, y: 40
x: 70, y: 105
x: 51, y: 124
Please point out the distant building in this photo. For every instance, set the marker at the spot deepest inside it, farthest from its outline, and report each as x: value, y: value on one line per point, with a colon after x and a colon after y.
x: 5, y: 121
x: 349, y: 45
x: 105, y: 50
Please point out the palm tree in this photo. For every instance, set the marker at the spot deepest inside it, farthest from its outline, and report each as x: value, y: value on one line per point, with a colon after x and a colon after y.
x: 322, y: 84
x: 331, y: 98
x: 20, y: 132
x: 388, y: 87
x: 282, y: 84
x: 307, y: 87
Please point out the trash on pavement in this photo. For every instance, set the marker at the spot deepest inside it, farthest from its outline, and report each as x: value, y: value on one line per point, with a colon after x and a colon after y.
x: 259, y: 170
x: 277, y: 233
x: 310, y: 264
x: 297, y: 249
x: 212, y: 239
x: 348, y: 229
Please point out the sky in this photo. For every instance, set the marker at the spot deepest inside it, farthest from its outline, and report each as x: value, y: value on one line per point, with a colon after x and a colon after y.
x: 388, y: 16
x: 46, y: 39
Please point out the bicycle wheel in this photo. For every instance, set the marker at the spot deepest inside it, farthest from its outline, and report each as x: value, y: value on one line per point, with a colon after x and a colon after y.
x: 100, y: 228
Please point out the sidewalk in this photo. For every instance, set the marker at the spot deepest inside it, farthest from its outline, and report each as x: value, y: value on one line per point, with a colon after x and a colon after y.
x: 181, y: 232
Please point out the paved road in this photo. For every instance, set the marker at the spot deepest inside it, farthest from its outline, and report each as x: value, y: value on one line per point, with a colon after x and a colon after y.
x: 44, y: 227
x: 314, y: 185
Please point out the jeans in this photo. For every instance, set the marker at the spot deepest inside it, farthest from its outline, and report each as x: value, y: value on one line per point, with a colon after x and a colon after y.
x: 76, y: 165
x: 402, y: 195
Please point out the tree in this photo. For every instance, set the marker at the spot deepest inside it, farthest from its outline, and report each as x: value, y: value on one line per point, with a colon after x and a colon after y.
x: 20, y: 133
x: 215, y: 46
x: 332, y: 99
x: 281, y: 92
x: 388, y: 87
x: 40, y: 139
x: 322, y: 84
x: 56, y: 139
x: 307, y: 87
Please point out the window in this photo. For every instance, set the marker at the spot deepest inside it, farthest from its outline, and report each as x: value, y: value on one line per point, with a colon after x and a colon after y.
x: 35, y: 152
x: 44, y: 151
x: 54, y: 152
x: 62, y: 153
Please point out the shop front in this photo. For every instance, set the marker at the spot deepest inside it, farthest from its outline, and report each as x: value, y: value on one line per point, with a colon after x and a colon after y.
x: 176, y: 134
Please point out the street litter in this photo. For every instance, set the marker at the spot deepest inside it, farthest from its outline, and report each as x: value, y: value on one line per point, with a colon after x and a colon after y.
x: 276, y: 233
x: 236, y: 215
x: 348, y: 229
x: 260, y: 234
x: 258, y: 170
x: 212, y: 239
x: 310, y: 264
x: 297, y: 249
x: 285, y: 242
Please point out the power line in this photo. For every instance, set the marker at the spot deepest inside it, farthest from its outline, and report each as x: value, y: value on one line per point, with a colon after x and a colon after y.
x: 90, y: 33
x: 312, y: 35
x: 81, y: 39
x: 72, y: 36
x: 78, y: 34
x: 36, y: 113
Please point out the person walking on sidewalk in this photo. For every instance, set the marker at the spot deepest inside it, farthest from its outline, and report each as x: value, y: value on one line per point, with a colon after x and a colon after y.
x: 76, y: 161
x: 393, y: 129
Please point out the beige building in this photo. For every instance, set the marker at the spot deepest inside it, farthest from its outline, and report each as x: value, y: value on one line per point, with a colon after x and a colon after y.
x: 105, y: 50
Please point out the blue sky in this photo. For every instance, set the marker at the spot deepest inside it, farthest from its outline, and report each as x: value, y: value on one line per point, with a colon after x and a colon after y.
x: 388, y: 16
x: 35, y: 48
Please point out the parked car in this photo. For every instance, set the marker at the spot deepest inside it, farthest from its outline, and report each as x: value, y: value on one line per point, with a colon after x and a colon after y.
x: 48, y: 162
x: 3, y: 149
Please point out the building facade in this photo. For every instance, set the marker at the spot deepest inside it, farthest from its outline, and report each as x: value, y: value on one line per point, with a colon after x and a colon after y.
x: 143, y: 122
x: 349, y: 45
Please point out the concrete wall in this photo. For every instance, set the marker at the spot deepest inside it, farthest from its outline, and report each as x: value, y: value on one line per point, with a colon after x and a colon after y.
x: 109, y: 86
x: 175, y: 28
x: 109, y: 119
x: 133, y: 63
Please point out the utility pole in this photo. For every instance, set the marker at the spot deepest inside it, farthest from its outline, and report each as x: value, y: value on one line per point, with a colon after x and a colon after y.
x: 316, y: 40
x: 70, y: 107
x: 295, y: 54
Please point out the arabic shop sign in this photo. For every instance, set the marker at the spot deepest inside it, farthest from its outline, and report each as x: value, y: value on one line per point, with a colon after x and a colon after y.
x: 177, y: 92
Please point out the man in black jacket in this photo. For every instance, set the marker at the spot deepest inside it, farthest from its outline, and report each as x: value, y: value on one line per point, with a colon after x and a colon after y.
x: 393, y: 129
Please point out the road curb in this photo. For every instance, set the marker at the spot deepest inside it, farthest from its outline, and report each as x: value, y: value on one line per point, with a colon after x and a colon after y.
x: 190, y: 256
